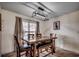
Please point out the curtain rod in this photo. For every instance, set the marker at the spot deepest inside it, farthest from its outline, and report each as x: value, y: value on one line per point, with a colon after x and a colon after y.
x: 30, y: 20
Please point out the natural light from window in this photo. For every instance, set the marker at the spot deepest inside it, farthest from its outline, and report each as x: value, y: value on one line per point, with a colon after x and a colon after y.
x: 28, y: 28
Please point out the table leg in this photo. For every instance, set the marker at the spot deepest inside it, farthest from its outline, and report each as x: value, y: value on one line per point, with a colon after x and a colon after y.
x: 35, y: 50
x: 54, y: 45
x: 32, y: 50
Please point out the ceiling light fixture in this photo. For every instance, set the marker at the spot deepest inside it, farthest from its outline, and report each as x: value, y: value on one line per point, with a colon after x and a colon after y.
x: 40, y: 12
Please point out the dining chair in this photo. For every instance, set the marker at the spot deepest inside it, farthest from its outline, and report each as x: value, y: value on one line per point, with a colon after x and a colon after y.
x: 49, y: 44
x: 22, y: 50
x: 42, y: 45
x: 52, y: 35
x: 39, y: 35
x: 30, y: 36
x: 54, y: 48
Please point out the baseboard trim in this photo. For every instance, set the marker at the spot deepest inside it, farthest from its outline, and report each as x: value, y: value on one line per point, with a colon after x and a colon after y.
x: 4, y: 55
x: 69, y: 50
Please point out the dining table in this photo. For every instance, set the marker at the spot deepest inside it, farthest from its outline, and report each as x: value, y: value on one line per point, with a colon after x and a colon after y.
x: 35, y: 41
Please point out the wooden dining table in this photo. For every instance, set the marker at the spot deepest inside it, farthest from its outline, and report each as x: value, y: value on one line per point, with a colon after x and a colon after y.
x: 35, y: 41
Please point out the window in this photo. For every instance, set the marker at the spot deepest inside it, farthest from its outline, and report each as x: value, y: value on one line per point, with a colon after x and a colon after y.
x: 32, y: 28
x: 28, y: 28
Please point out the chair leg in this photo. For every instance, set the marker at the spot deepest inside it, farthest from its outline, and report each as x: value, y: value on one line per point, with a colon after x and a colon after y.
x: 38, y: 52
x: 18, y: 54
x: 26, y: 53
x: 54, y: 46
x: 52, y: 50
x: 31, y: 53
x: 46, y: 49
x: 32, y: 50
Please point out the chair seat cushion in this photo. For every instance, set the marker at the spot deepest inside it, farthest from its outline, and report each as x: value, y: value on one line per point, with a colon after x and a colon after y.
x: 25, y: 47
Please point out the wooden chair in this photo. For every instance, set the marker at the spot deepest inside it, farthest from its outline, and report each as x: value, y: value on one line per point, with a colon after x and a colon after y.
x: 54, y: 43
x: 30, y: 36
x: 48, y: 44
x: 51, y: 36
x: 42, y: 45
x: 39, y: 35
x: 20, y: 49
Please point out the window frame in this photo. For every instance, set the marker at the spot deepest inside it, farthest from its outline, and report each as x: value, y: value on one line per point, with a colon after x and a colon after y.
x: 29, y: 32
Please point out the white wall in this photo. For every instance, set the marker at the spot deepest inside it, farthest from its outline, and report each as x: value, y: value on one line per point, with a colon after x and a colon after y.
x: 8, y: 23
x: 42, y: 23
x: 68, y: 35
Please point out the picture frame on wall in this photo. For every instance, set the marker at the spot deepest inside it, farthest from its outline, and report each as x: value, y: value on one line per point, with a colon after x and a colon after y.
x: 56, y: 25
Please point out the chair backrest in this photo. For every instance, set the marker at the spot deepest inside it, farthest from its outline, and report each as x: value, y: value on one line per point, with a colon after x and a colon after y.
x: 30, y: 36
x: 39, y: 35
x: 17, y: 43
x: 51, y: 35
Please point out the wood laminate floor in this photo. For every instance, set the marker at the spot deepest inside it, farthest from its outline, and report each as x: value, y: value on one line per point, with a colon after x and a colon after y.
x: 59, y: 53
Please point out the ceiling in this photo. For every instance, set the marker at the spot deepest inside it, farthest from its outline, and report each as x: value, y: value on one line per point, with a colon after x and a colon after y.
x: 55, y: 8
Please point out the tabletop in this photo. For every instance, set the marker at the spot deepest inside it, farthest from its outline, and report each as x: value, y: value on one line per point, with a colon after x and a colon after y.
x: 35, y: 40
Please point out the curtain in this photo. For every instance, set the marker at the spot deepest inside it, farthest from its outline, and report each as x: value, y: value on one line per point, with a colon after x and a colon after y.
x: 18, y: 27
x: 0, y: 34
x: 0, y: 22
x: 18, y: 30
